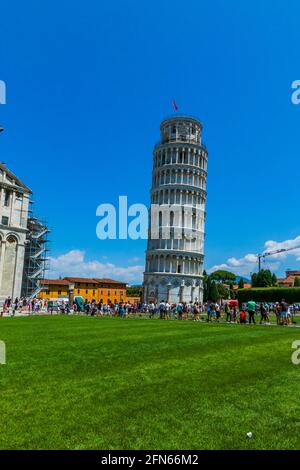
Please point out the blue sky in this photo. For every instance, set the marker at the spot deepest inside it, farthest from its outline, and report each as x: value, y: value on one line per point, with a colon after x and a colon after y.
x: 87, y: 86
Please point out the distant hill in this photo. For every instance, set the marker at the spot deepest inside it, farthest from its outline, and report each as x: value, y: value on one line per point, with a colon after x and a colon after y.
x: 245, y: 279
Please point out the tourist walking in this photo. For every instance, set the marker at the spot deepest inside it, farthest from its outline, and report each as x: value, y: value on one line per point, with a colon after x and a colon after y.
x: 162, y: 310
x: 251, y: 307
x: 283, y: 312
x: 227, y: 312
x: 179, y: 310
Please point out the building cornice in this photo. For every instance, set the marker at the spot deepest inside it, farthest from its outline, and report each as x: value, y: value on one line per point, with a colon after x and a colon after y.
x: 11, y: 229
x: 178, y: 166
x: 168, y: 252
x: 14, y: 187
x: 181, y: 144
x: 181, y: 117
x: 181, y: 187
x: 178, y: 275
x: 18, y: 182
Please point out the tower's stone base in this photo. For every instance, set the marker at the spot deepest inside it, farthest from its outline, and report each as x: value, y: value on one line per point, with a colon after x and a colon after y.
x: 173, y: 288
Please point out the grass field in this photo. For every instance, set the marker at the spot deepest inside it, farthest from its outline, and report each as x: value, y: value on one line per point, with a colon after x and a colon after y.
x: 93, y: 383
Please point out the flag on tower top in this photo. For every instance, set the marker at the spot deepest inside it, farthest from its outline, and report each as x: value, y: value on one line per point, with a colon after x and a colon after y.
x: 175, y: 105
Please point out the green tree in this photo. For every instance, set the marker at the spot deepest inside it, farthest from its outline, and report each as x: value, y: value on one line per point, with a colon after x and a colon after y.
x: 232, y: 292
x: 213, y: 292
x: 133, y: 291
x: 241, y: 283
x: 274, y: 280
x: 206, y: 286
x: 297, y: 282
x: 223, y: 292
x: 224, y: 276
x: 263, y: 278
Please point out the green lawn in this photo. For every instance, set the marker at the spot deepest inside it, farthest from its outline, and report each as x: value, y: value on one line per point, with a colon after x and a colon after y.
x: 93, y: 383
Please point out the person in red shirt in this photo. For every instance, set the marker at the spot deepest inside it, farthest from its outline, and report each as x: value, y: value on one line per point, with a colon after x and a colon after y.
x: 243, y: 317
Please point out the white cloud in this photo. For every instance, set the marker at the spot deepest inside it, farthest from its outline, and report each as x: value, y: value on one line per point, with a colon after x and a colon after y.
x: 73, y: 263
x: 249, y: 263
x: 287, y: 244
x: 242, y: 266
x: 134, y: 259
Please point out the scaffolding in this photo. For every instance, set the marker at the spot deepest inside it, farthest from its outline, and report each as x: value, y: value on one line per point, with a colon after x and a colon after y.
x: 36, y: 260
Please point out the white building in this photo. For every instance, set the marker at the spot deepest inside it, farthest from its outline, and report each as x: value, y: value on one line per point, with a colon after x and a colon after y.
x: 14, y: 206
x: 175, y: 252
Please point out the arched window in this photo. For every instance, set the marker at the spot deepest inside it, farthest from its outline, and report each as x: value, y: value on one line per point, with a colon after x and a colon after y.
x: 171, y: 219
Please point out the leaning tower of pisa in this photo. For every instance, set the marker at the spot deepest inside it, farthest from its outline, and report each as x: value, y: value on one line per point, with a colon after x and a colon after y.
x: 175, y: 251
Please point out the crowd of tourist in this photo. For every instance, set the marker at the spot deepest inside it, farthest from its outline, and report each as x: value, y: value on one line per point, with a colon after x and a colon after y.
x: 23, y: 305
x: 250, y: 312
x: 120, y: 309
x: 213, y: 311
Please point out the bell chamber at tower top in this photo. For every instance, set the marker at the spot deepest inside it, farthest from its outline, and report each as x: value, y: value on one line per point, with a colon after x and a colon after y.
x: 180, y: 129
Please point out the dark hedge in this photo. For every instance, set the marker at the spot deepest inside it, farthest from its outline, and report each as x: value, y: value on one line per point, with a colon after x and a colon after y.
x: 269, y: 294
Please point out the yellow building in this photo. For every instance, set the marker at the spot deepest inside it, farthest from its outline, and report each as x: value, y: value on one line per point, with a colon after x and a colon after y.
x: 98, y: 289
x: 54, y: 289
